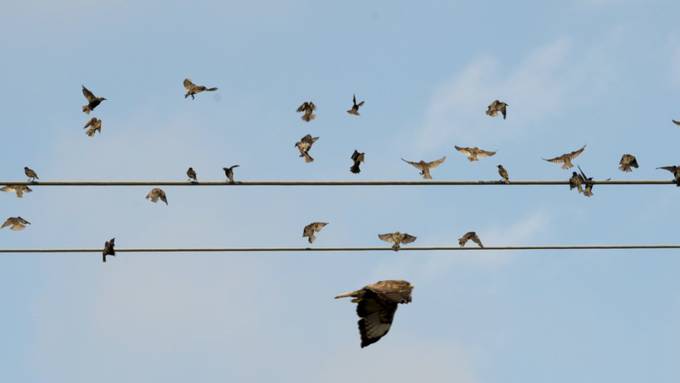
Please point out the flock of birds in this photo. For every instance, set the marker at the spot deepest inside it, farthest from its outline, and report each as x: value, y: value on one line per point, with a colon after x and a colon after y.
x: 376, y: 303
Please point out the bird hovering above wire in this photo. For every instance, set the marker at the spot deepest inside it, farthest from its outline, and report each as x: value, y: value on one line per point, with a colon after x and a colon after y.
x: 93, y: 126
x: 15, y: 223
x: 92, y: 100
x: 628, y: 161
x: 565, y: 159
x: 355, y: 106
x: 397, y: 239
x: 305, y: 145
x: 229, y: 172
x: 425, y: 167
x: 358, y: 158
x: 308, y: 109
x: 474, y: 153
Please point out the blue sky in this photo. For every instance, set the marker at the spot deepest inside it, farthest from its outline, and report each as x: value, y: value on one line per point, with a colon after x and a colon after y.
x: 603, y: 73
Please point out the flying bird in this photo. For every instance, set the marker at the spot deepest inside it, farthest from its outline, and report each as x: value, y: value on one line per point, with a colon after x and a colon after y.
x: 18, y: 189
x: 308, y: 109
x: 93, y: 126
x: 229, y: 172
x: 92, y: 100
x: 377, y: 304
x: 588, y: 181
x: 497, y: 106
x: 304, y: 145
x: 191, y: 173
x: 676, y: 172
x: 397, y: 239
x: 15, y: 223
x: 358, y: 158
x: 565, y: 159
x: 504, y: 174
x: 576, y: 181
x: 193, y: 89
x: 31, y: 174
x: 470, y: 236
x: 627, y: 162
x: 425, y: 167
x: 355, y: 106
x: 474, y: 153
x: 155, y: 194
x: 109, y: 249
x: 311, y: 229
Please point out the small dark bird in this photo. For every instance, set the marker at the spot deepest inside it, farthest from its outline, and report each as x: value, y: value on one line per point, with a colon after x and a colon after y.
x: 627, y: 162
x: 229, y: 172
x: 497, y: 106
x: 565, y: 159
x: 15, y: 223
x: 504, y: 174
x: 576, y: 181
x: 425, y: 167
x: 109, y: 249
x: 311, y: 229
x: 18, y: 189
x: 308, y: 109
x: 31, y: 174
x: 155, y: 194
x: 588, y: 181
x: 469, y: 236
x: 377, y: 304
x: 93, y: 126
x: 192, y: 175
x: 676, y: 122
x: 676, y: 172
x: 474, y: 153
x: 193, y: 89
x: 397, y: 239
x: 355, y: 106
x: 304, y: 145
x: 358, y: 158
x: 92, y: 100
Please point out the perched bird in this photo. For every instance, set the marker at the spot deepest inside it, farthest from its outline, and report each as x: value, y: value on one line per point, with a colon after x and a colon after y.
x: 192, y: 175
x: 358, y: 158
x: 229, y: 172
x: 109, y: 249
x: 565, y: 159
x: 15, y: 223
x: 469, y: 236
x: 355, y: 106
x: 377, y: 304
x: 93, y: 126
x: 304, y: 145
x: 497, y: 106
x: 18, y: 189
x: 92, y: 100
x: 308, y: 109
x: 31, y: 174
x: 676, y: 172
x: 397, y: 239
x: 474, y: 153
x: 504, y: 174
x: 312, y: 228
x: 627, y: 162
x: 676, y: 122
x: 193, y: 89
x: 588, y: 181
x: 155, y: 194
x: 576, y: 181
x: 425, y: 167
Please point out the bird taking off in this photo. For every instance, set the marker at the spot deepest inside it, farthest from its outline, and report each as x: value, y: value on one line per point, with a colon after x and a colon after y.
x: 470, y: 236
x: 377, y: 304
x: 497, y: 106
x: 92, y: 100
x: 93, y: 126
x: 425, y: 167
x: 355, y: 106
x: 155, y: 194
x: 474, y: 153
x: 358, y: 158
x: 229, y: 172
x: 397, y: 239
x: 628, y: 161
x: 109, y: 249
x: 15, y: 223
x: 19, y: 190
x: 676, y: 173
x: 565, y: 159
x: 31, y: 174
x: 312, y: 229
x: 504, y: 174
x: 307, y: 108
x: 304, y: 145
x: 193, y: 89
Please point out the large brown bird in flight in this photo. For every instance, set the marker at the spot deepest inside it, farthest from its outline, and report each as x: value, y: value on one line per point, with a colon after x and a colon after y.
x: 397, y: 239
x: 425, y: 167
x: 193, y: 89
x: 92, y: 100
x: 565, y: 159
x: 308, y: 109
x: 474, y: 153
x: 376, y: 305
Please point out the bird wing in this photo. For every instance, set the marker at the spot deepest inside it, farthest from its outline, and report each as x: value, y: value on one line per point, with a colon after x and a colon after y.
x: 576, y: 153
x: 407, y: 238
x: 557, y: 160
x: 387, y: 237
x: 475, y: 239
x: 188, y: 85
x: 436, y: 163
x: 376, y: 317
x: 88, y: 94
x: 464, y: 150
x: 303, y: 107
x: 485, y: 153
x: 90, y: 123
x: 417, y: 165
x: 669, y: 168
x: 397, y: 291
x: 8, y: 222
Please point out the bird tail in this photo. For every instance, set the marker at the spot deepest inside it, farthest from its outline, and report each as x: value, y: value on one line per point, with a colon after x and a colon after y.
x: 355, y: 169
x: 211, y: 89
x: 308, y: 158
x: 86, y: 109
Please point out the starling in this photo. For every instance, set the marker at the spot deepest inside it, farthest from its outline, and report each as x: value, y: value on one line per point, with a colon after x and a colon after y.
x: 376, y: 306
x: 109, y: 249
x: 588, y: 181
x: 93, y: 126
x: 576, y: 181
x: 474, y: 153
x: 504, y: 174
x: 15, y: 223
x: 31, y: 174
x: 358, y: 158
x: 470, y: 236
x: 397, y: 239
x: 308, y: 109
x: 565, y: 159
x: 192, y: 175
x: 497, y: 106
x: 676, y: 172
x: 229, y: 172
x: 311, y: 229
x: 92, y: 100
x: 18, y: 189
x: 155, y: 194
x: 627, y: 162
x: 355, y: 106
x: 193, y: 89
x: 425, y: 167
x: 304, y: 145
